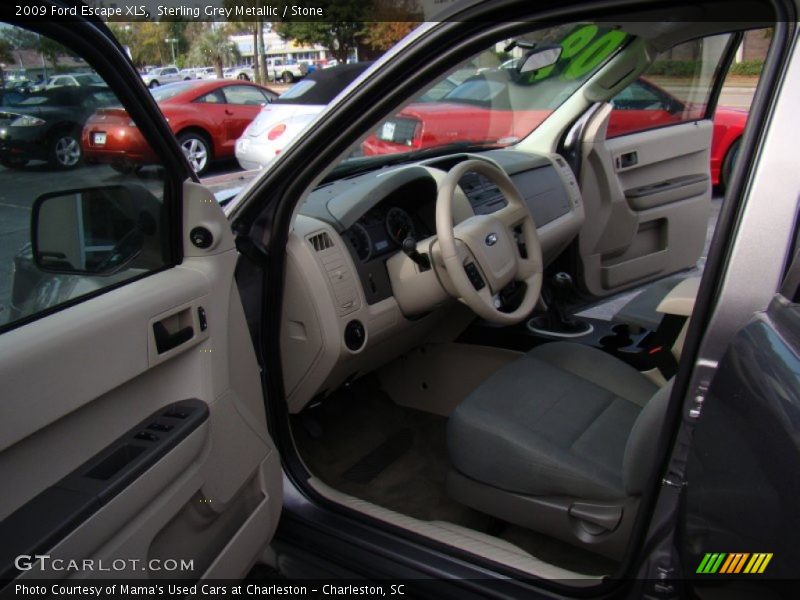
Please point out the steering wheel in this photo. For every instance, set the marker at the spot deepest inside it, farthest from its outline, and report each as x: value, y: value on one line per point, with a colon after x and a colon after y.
x: 481, y: 254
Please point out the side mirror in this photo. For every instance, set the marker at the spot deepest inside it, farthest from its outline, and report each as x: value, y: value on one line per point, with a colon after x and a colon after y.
x: 92, y: 231
x: 540, y: 58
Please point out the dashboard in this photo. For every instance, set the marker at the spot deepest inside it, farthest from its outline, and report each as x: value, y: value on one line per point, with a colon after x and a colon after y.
x: 351, y: 289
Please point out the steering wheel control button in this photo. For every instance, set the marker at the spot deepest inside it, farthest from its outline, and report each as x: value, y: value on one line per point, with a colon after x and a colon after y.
x: 474, y: 276
x: 202, y: 318
x: 355, y: 335
x: 201, y: 237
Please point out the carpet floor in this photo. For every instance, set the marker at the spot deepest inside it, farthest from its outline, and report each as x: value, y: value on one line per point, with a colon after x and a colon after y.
x: 361, y: 443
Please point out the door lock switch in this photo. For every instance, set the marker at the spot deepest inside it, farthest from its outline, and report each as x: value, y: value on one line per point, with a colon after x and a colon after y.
x: 161, y: 427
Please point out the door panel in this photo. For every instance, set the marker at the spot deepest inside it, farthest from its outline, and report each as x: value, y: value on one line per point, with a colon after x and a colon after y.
x: 647, y: 200
x: 742, y: 474
x: 78, y: 379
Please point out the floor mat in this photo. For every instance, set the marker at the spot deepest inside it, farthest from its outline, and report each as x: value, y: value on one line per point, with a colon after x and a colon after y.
x: 361, y: 443
x: 355, y: 425
x: 369, y: 467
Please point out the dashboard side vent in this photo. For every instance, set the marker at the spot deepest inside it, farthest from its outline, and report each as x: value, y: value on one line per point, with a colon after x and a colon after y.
x: 321, y: 241
x: 330, y: 258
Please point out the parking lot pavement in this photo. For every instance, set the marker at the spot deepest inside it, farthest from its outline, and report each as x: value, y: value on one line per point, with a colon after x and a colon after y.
x: 737, y: 96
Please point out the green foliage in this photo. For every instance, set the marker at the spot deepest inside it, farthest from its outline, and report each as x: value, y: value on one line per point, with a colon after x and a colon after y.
x: 747, y: 67
x: 687, y: 68
x: 20, y: 39
x: 51, y: 50
x: 339, y: 34
x: 214, y: 47
x: 674, y: 68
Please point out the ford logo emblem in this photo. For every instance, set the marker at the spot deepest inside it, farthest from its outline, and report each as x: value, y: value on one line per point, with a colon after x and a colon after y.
x: 491, y: 239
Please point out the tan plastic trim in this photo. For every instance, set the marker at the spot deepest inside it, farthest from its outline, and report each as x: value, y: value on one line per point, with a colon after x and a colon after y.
x: 467, y: 540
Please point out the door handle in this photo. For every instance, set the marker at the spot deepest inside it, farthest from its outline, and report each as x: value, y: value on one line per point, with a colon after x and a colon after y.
x: 628, y: 159
x: 228, y: 112
x: 167, y: 341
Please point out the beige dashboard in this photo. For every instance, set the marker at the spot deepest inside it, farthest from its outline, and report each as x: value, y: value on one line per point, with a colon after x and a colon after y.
x: 333, y: 329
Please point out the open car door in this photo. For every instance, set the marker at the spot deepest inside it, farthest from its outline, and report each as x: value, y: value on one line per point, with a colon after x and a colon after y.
x: 132, y: 423
x: 645, y: 170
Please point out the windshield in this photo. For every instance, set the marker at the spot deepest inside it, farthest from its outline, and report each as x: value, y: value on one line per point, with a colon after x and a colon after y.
x: 320, y: 87
x: 165, y: 92
x: 89, y: 79
x: 500, y: 95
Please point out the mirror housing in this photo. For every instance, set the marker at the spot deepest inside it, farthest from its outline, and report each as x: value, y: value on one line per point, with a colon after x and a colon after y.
x: 91, y: 231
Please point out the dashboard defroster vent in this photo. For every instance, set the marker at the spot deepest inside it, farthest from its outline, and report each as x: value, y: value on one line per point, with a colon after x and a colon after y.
x: 321, y: 241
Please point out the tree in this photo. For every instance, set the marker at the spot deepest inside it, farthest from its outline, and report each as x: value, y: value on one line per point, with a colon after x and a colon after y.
x: 6, y: 56
x: 390, y: 21
x: 255, y: 27
x: 339, y: 34
x: 382, y: 35
x: 51, y: 50
x: 214, y: 47
x: 20, y: 39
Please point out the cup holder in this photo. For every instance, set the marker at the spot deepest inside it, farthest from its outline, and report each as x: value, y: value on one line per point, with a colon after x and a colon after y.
x: 619, y: 339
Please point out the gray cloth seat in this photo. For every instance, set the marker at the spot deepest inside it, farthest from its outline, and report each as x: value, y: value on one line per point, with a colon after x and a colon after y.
x: 564, y: 420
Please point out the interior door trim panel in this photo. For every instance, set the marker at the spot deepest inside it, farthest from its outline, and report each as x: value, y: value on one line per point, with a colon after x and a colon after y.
x: 49, y: 517
x: 666, y: 191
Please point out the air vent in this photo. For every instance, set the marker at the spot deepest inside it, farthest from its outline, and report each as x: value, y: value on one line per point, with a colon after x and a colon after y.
x: 329, y: 256
x: 321, y: 241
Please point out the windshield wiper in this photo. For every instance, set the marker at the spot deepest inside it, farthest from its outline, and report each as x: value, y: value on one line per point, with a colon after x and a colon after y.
x: 364, y: 164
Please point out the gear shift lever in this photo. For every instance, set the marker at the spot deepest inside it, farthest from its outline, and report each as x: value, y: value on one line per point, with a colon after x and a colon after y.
x: 557, y: 321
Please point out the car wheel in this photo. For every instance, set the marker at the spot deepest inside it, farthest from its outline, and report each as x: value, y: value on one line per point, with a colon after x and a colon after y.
x: 13, y: 163
x: 153, y: 84
x: 65, y: 151
x: 287, y: 77
x: 728, y: 164
x: 243, y: 77
x: 197, y: 150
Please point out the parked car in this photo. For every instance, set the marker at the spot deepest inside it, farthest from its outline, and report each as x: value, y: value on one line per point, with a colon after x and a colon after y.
x: 279, y: 69
x: 187, y: 74
x: 46, y: 125
x: 15, y: 91
x: 162, y: 75
x: 206, y: 73
x: 283, y: 119
x: 206, y: 116
x: 245, y: 73
x: 74, y: 80
x: 479, y: 106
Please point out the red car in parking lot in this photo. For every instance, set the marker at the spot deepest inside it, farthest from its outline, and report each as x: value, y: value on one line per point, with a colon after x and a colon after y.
x: 206, y: 116
x: 478, y: 110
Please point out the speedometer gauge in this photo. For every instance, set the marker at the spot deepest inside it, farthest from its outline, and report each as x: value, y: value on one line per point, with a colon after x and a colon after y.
x: 399, y: 225
x: 362, y: 243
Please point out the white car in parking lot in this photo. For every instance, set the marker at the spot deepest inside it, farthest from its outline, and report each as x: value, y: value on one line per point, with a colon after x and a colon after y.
x: 162, y: 75
x: 244, y: 72
x: 283, y: 119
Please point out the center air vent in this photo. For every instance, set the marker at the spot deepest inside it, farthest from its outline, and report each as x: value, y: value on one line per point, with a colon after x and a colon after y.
x: 321, y: 241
